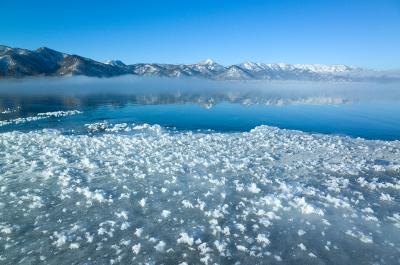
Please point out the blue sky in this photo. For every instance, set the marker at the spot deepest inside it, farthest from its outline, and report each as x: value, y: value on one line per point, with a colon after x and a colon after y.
x: 358, y: 32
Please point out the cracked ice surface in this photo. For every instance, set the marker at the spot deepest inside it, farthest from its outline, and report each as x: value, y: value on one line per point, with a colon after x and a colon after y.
x: 142, y: 194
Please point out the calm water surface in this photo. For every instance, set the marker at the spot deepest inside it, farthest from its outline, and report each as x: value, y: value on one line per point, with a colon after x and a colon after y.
x: 369, y: 120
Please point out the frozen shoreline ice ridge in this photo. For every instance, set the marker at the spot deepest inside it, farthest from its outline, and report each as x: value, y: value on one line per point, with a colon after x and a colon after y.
x: 40, y: 116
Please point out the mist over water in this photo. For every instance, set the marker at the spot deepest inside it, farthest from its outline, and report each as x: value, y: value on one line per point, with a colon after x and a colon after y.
x: 79, y: 86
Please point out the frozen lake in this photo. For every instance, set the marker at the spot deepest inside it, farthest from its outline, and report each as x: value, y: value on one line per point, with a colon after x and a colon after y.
x: 106, y: 172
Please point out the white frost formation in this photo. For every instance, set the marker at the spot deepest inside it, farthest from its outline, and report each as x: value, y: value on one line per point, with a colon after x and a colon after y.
x: 140, y: 194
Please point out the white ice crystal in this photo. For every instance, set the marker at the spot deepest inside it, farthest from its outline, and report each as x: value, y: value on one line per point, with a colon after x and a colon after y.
x: 386, y: 197
x: 61, y: 239
x: 184, y: 238
x: 261, y: 238
x: 165, y: 213
x: 253, y: 188
x: 74, y: 245
x: 160, y: 246
x: 302, y: 247
x: 136, y: 248
x: 142, y: 202
x: 138, y: 232
x: 241, y: 248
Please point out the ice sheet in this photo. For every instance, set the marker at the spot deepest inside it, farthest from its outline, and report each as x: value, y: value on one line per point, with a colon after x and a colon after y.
x: 142, y: 194
x: 38, y: 116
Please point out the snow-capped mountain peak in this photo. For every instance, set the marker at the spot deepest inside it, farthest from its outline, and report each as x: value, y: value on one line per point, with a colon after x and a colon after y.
x: 251, y: 66
x: 324, y: 68
x: 314, y: 68
x: 115, y: 63
x: 209, y: 65
x: 207, y: 62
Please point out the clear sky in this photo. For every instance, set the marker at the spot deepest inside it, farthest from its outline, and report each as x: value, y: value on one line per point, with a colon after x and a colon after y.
x: 358, y: 32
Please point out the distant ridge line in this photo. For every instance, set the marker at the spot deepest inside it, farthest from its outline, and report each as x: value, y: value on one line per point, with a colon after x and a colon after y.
x: 19, y: 63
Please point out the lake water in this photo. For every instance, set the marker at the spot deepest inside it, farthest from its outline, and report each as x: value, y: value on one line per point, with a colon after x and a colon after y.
x: 176, y: 172
x: 369, y: 120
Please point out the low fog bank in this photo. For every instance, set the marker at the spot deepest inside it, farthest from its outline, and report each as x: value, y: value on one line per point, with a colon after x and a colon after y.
x: 162, y: 90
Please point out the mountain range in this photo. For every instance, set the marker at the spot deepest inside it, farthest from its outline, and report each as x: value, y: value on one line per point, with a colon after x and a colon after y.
x: 18, y: 63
